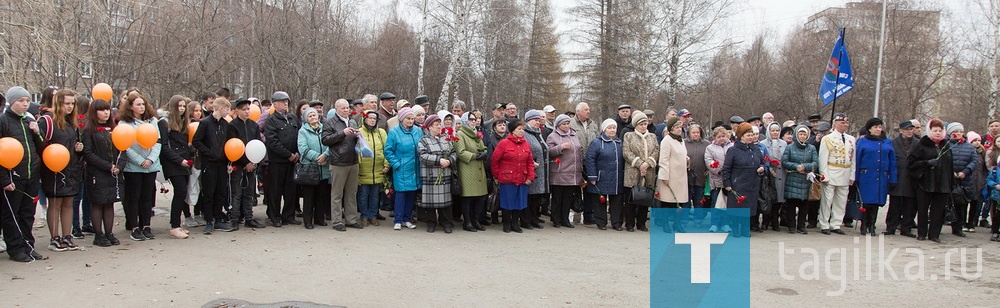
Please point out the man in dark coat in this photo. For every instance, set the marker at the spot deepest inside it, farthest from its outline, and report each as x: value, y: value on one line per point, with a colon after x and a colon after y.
x: 902, y: 209
x: 243, y: 183
x: 281, y: 135
x: 624, y: 120
x: 341, y: 134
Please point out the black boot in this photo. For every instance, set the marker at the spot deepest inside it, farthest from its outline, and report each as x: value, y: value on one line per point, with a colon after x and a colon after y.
x: 477, y: 211
x: 467, y: 217
x: 506, y: 221
x: 734, y: 224
x: 515, y: 221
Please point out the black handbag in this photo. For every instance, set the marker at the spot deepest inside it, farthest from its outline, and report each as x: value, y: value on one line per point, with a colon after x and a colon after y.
x: 949, y: 213
x: 642, y: 195
x: 493, y: 200
x: 306, y: 174
x: 768, y: 194
x: 456, y: 185
x: 960, y: 194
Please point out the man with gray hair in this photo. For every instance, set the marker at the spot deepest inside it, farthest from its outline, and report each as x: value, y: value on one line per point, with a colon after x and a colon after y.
x: 586, y: 131
x: 458, y: 108
x: 340, y: 133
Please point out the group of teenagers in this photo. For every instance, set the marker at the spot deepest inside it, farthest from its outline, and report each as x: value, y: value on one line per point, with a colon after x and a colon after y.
x: 383, y: 153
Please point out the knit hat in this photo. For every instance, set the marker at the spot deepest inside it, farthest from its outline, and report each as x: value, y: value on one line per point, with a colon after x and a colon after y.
x: 955, y: 126
x: 671, y: 122
x: 801, y: 128
x: 417, y: 110
x: 430, y: 120
x: 972, y: 136
x: 606, y: 123
x: 403, y: 113
x: 533, y: 114
x: 639, y: 117
x: 562, y: 118
x: 305, y: 115
x: 743, y: 129
x: 16, y: 93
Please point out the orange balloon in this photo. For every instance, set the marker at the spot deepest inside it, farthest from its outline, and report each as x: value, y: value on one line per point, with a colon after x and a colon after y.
x: 192, y: 128
x: 147, y: 135
x: 123, y: 136
x: 234, y: 149
x: 271, y: 111
x: 56, y: 157
x: 102, y: 91
x: 13, y: 152
x: 254, y: 112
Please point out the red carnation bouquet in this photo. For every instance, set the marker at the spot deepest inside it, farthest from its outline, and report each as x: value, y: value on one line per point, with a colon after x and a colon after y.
x: 739, y: 198
x: 714, y: 164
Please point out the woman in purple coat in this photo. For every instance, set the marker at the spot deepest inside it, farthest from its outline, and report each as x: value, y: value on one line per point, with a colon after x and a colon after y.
x: 876, y: 172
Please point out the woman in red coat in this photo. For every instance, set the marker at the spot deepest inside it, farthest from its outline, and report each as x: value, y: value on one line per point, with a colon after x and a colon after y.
x: 514, y: 169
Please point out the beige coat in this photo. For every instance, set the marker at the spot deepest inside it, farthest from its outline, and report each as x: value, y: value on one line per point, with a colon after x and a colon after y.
x: 637, y: 150
x: 673, y: 168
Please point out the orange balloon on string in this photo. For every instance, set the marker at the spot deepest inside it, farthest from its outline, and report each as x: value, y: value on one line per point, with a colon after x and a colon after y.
x: 123, y: 136
x: 147, y: 135
x: 192, y: 128
x: 102, y: 91
x: 254, y: 112
x: 56, y: 157
x: 234, y: 149
x: 13, y: 152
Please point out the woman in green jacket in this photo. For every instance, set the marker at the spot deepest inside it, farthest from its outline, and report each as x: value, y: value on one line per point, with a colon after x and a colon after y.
x: 471, y: 172
x: 373, y: 168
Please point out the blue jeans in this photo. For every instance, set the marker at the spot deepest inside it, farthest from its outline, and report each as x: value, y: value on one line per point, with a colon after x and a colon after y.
x: 718, y: 216
x: 404, y: 206
x: 369, y: 196
x: 78, y: 200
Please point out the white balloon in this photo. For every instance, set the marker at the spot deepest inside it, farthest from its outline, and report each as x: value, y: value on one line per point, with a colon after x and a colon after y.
x: 255, y: 151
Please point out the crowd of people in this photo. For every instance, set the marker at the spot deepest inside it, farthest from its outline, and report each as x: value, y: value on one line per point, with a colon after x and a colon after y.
x: 473, y: 169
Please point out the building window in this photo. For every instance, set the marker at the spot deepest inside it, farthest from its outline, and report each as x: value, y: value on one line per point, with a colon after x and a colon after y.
x: 61, y: 68
x: 86, y: 70
x: 85, y: 37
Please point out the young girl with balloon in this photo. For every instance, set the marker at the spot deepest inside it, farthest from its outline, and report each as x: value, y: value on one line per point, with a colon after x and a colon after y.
x: 142, y: 164
x: 61, y: 177
x: 103, y: 181
x: 176, y: 159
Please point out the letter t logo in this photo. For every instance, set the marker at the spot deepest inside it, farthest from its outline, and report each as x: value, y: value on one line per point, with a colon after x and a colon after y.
x: 701, y: 253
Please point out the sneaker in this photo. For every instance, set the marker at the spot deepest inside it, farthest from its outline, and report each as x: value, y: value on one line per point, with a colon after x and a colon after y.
x: 37, y: 256
x: 38, y: 223
x: 199, y: 220
x: 373, y: 222
x: 88, y: 229
x: 190, y: 222
x: 3, y: 247
x: 148, y: 233
x: 68, y: 241
x: 965, y: 229
x: 22, y: 257
x: 222, y: 226
x: 971, y: 230
x: 235, y: 225
x: 208, y: 229
x: 136, y: 235
x: 101, y: 241
x: 713, y: 229
x: 410, y: 225
x: 178, y: 233
x: 725, y: 228
x: 56, y: 244
x: 397, y: 227
x: 983, y: 223
x: 77, y: 234
x: 114, y: 240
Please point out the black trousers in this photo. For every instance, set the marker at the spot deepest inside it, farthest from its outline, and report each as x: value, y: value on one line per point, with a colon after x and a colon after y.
x: 178, y: 206
x: 930, y: 213
x: 472, y: 209
x: 900, y: 216
x: 974, y: 211
x: 589, y: 200
x: 795, y: 219
x: 994, y: 224
x: 215, y: 190
x: 283, y: 188
x: 140, y: 193
x: 961, y: 211
x: 813, y: 217
x: 532, y: 213
x: 562, y: 198
x: 315, y: 202
x: 17, y: 214
x: 242, y: 195
x: 616, y: 206
x: 437, y: 216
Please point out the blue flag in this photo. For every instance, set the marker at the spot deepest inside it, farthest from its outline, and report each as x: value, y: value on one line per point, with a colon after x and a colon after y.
x: 838, y: 78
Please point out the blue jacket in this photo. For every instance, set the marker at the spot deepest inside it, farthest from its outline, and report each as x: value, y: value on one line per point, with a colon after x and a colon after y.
x: 605, y: 165
x: 739, y: 171
x: 401, y: 152
x: 964, y: 161
x: 876, y: 169
x: 136, y: 154
x: 991, y: 184
x: 311, y: 147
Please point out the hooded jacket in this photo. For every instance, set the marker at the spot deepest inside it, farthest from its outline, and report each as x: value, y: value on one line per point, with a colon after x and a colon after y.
x: 401, y: 153
x: 605, y: 165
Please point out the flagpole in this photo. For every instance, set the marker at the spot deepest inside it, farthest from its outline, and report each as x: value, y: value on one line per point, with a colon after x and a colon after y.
x: 878, y: 71
x: 840, y: 59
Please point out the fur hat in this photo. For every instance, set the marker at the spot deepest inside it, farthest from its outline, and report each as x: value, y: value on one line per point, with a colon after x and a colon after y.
x: 743, y: 129
x: 639, y: 117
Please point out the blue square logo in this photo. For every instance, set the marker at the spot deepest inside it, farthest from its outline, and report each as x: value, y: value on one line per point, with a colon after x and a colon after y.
x: 699, y: 258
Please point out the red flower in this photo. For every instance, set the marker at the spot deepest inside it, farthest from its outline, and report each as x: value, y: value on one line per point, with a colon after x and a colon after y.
x: 863, y: 210
x: 656, y: 195
x: 822, y: 178
x: 354, y: 112
x: 702, y: 201
x: 102, y: 128
x: 34, y: 200
x: 604, y: 199
x: 480, y: 135
x: 557, y: 161
x: 740, y: 199
x: 80, y: 117
x: 715, y: 164
x: 80, y: 125
x: 188, y: 162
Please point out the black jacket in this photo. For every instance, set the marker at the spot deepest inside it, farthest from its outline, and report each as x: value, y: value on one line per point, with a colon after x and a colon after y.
x: 65, y: 183
x: 210, y: 140
x: 931, y: 177
x: 27, y: 171
x: 902, y: 146
x: 174, y: 150
x: 100, y: 153
x: 281, y: 137
x: 246, y: 130
x: 341, y: 145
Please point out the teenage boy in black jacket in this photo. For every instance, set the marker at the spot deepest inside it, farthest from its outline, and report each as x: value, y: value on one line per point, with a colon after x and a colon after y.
x: 243, y: 184
x: 210, y: 141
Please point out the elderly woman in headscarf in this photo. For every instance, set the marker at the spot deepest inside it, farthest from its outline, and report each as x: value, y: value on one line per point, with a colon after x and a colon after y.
x: 876, y: 172
x: 472, y: 154
x: 538, y: 192
x: 436, y: 158
x: 641, y: 152
x: 567, y: 173
x: 672, y: 184
x: 775, y: 148
x: 741, y: 174
x: 800, y: 159
x: 604, y: 167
